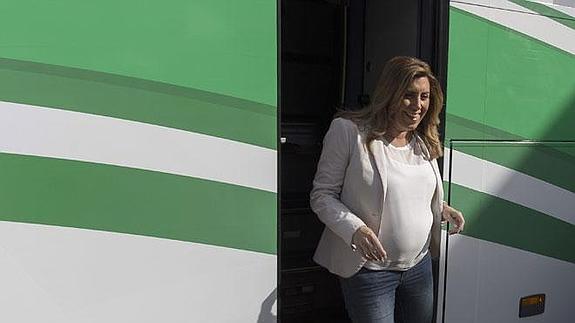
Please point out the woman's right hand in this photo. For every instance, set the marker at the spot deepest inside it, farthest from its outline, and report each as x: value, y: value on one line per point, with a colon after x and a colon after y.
x: 368, y: 244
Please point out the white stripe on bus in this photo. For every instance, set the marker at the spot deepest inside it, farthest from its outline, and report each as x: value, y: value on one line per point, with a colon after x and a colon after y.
x: 522, y: 20
x: 486, y: 280
x: 40, y: 131
x: 68, y: 275
x: 508, y: 184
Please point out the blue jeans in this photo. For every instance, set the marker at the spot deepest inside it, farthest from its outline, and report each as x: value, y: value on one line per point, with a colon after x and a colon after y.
x: 386, y: 296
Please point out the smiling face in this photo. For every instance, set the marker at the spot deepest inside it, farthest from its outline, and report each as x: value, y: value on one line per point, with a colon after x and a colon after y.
x: 412, y: 107
x: 407, y: 99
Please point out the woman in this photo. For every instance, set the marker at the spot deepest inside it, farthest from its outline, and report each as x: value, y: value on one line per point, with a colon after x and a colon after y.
x: 379, y: 192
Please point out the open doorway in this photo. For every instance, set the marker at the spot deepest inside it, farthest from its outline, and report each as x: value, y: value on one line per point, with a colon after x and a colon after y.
x: 332, y: 52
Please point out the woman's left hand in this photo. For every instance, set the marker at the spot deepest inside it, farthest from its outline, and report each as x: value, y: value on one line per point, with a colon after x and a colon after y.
x: 454, y: 217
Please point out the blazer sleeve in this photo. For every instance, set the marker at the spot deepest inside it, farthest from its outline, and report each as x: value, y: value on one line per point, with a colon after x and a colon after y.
x: 327, y: 185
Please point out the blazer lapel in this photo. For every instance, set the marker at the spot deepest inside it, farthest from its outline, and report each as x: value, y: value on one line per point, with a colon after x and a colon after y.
x: 439, y: 180
x: 376, y: 148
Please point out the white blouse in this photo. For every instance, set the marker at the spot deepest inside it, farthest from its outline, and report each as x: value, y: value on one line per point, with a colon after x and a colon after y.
x: 407, y: 217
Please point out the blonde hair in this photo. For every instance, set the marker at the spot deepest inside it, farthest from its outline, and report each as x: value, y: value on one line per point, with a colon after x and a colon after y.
x: 397, y: 75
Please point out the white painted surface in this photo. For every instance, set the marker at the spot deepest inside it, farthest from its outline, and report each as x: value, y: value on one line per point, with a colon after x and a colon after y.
x: 441, y: 277
x: 58, y: 275
x: 565, y: 3
x: 522, y: 20
x: 511, y: 185
x: 564, y: 8
x: 39, y: 131
x: 569, y: 3
x: 485, y: 282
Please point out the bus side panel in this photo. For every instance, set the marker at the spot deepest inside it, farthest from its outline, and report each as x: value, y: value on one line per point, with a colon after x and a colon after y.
x: 138, y: 161
x: 508, y: 62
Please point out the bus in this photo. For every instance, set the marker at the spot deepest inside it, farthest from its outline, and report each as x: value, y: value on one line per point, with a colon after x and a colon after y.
x: 156, y: 157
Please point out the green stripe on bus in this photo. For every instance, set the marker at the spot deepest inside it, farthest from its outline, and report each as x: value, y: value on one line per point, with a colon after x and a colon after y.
x: 508, y: 81
x: 110, y: 198
x: 493, y: 219
x: 138, y: 100
x: 225, y: 47
x: 552, y: 163
x: 548, y: 12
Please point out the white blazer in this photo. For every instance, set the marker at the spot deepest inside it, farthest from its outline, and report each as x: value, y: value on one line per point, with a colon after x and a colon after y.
x: 348, y: 192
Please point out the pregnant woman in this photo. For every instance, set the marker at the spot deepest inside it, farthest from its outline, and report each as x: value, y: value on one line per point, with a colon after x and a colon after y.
x: 379, y: 192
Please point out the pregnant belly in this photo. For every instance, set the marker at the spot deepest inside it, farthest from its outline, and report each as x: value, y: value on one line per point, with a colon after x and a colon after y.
x: 405, y: 236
